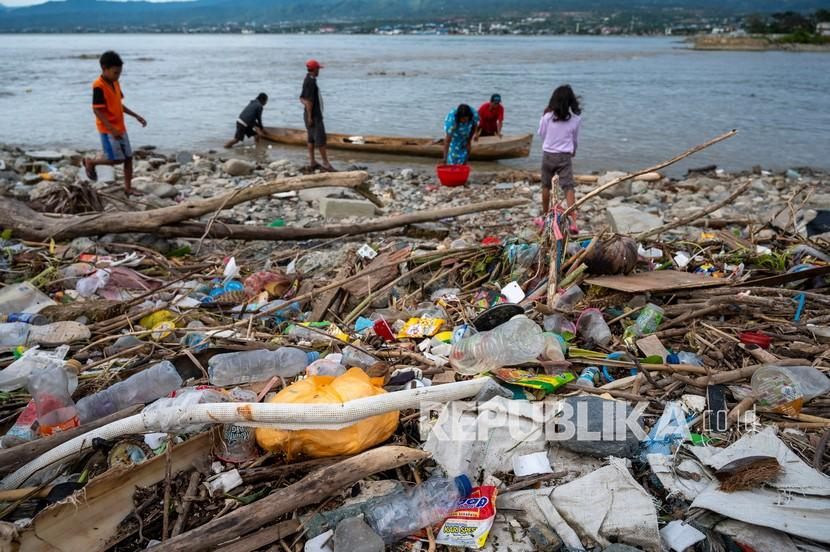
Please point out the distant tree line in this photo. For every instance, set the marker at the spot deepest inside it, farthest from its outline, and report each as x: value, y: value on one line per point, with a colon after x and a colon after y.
x: 786, y: 23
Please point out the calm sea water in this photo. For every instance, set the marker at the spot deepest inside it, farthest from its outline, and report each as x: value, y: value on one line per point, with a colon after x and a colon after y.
x: 645, y: 99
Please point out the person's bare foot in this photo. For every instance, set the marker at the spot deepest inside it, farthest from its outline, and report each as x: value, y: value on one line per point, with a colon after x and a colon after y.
x: 90, y: 170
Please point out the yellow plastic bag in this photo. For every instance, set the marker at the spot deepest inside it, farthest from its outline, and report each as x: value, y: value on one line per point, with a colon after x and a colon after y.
x: 318, y: 443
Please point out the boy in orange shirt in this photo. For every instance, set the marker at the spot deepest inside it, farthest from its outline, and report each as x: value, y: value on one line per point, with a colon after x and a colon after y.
x: 109, y: 118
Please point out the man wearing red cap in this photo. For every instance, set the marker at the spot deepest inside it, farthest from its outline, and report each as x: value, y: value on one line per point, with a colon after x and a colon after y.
x: 313, y: 103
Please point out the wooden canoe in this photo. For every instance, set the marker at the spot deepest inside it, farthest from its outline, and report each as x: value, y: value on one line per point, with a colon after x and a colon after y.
x: 488, y: 148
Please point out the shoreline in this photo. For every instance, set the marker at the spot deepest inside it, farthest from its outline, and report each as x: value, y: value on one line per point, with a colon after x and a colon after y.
x: 41, y: 179
x: 720, y: 43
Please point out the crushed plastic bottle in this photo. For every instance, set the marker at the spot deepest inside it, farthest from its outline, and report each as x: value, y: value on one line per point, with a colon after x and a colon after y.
x: 569, y: 298
x: 649, y: 319
x: 517, y: 341
x: 325, y: 367
x: 18, y: 372
x: 400, y: 514
x: 353, y: 357
x: 49, y: 387
x: 592, y: 327
x: 141, y: 388
x: 259, y: 365
x: 558, y: 324
x: 13, y: 334
x: 588, y: 377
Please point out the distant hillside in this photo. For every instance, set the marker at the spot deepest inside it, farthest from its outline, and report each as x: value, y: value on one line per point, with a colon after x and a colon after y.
x: 88, y: 15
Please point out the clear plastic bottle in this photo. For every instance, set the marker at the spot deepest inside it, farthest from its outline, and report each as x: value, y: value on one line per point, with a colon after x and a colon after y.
x: 649, y: 319
x: 141, y: 388
x: 569, y: 298
x: 13, y: 334
x: 588, y: 377
x: 517, y: 341
x: 15, y: 375
x: 325, y: 367
x: 259, y: 365
x: 49, y: 387
x: 592, y: 327
x: 356, y: 358
x: 402, y: 513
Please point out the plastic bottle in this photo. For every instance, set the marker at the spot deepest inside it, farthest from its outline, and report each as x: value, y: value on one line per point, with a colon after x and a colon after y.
x: 569, y: 298
x: 141, y: 388
x: 400, y: 514
x: 555, y: 346
x: 17, y: 373
x: 13, y: 334
x: 49, y: 387
x: 649, y: 319
x: 325, y: 367
x: 588, y: 377
x: 259, y: 365
x: 517, y: 341
x: 684, y: 357
x: 25, y: 317
x: 86, y: 287
x: 558, y: 324
x: 785, y: 389
x: 592, y: 327
x: 356, y: 358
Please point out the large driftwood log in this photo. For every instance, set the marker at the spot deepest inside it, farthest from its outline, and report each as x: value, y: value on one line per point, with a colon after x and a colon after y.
x: 28, y: 224
x: 43, y: 227
x: 312, y: 489
x: 242, y: 232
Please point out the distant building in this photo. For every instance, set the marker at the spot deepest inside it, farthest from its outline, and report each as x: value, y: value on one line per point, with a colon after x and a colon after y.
x: 823, y: 29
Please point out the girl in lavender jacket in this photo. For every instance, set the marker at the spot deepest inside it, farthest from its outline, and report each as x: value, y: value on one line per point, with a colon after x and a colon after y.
x: 559, y: 129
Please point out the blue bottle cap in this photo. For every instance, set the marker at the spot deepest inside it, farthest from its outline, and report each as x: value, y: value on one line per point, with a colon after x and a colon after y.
x: 465, y: 486
x: 312, y: 356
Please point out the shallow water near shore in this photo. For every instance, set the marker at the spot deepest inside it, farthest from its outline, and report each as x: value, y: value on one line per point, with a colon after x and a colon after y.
x: 645, y: 99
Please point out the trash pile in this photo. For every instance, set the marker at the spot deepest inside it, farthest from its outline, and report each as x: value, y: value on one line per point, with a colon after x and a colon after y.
x: 519, y: 390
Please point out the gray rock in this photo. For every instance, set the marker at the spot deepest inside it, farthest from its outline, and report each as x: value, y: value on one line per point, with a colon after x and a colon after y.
x: 639, y: 186
x: 760, y: 185
x: 203, y: 165
x: 628, y: 220
x: 596, y: 421
x: 281, y: 165
x: 45, y: 155
x: 152, y: 187
x: 184, y: 157
x: 353, y: 535
x: 621, y: 548
x: 335, y: 208
x: 620, y: 190
x: 407, y: 174
x: 173, y: 176
x: 315, y: 194
x: 31, y: 179
x: 142, y: 166
x: 427, y: 231
x: 238, y: 167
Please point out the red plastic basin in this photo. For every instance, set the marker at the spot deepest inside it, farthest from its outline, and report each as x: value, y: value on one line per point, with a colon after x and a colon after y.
x: 453, y: 175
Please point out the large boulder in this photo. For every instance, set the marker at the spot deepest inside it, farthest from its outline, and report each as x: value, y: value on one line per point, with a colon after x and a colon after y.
x: 238, y: 167
x: 628, y: 220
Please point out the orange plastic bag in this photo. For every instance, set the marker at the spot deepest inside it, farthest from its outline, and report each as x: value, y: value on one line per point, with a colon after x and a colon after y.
x: 318, y: 443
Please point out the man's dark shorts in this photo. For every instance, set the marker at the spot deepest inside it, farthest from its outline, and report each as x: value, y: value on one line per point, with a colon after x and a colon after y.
x: 242, y: 131
x: 317, y: 133
x: 561, y: 164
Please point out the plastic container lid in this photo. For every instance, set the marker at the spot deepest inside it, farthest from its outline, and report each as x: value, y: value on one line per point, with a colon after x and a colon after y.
x: 465, y: 486
x: 756, y: 338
